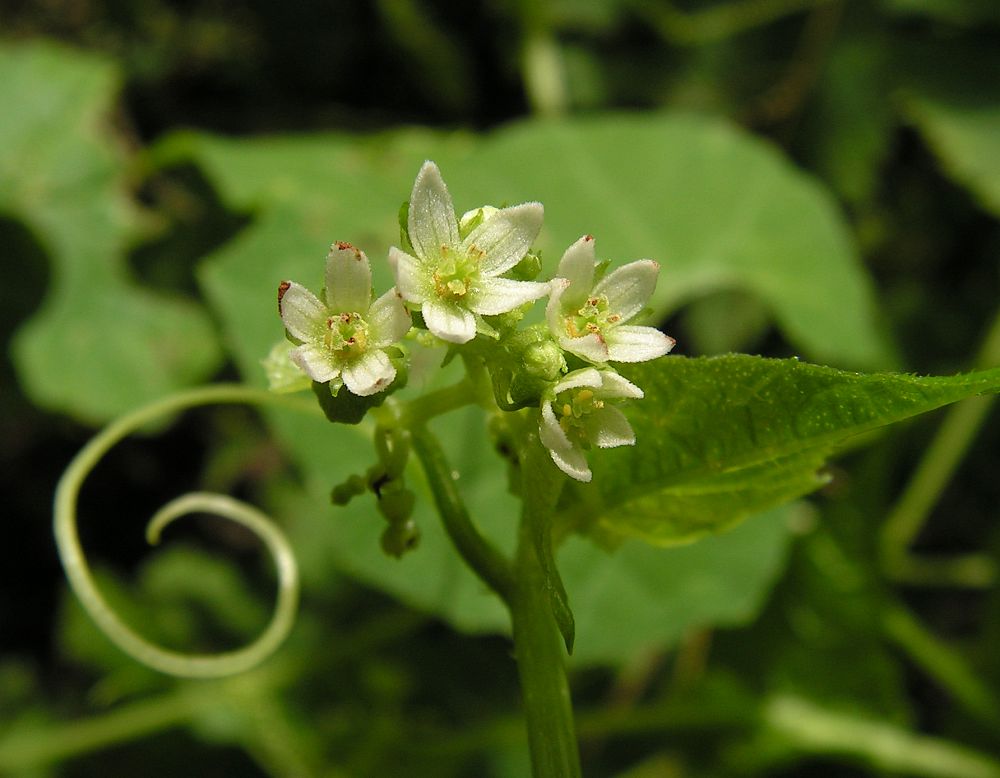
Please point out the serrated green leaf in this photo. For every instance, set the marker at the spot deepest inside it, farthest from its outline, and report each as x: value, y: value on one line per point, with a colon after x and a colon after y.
x: 100, y: 344
x: 722, y: 438
x: 966, y: 137
x: 709, y: 202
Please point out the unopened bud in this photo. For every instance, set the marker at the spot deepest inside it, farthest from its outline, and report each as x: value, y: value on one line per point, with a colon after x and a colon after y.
x: 400, y: 537
x: 544, y: 359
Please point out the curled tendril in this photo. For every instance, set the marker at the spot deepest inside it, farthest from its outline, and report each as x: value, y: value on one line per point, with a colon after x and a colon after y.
x: 82, y: 582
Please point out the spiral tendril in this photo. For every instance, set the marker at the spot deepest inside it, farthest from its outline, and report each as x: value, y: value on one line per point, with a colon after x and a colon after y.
x: 82, y: 582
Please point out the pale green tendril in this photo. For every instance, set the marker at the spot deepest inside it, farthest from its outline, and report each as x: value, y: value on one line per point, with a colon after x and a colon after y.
x: 82, y: 582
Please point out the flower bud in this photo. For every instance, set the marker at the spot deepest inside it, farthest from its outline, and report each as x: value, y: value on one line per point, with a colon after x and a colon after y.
x: 400, y: 537
x: 544, y: 359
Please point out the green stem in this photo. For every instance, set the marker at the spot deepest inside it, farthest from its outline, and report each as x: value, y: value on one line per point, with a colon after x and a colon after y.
x: 538, y: 648
x: 424, y: 408
x: 881, y: 746
x: 941, y: 663
x: 939, y: 462
x: 794, y: 722
x: 51, y: 744
x: 720, y: 21
x: 479, y: 554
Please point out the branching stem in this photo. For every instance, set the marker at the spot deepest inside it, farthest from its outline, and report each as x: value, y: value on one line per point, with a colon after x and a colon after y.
x: 479, y: 554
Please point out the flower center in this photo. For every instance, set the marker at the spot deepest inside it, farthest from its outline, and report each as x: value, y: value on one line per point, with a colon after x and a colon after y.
x: 346, y: 336
x: 455, y: 273
x: 573, y: 407
x: 592, y: 317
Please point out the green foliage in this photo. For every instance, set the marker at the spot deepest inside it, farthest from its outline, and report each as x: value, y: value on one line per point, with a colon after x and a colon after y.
x: 774, y: 160
x: 967, y: 139
x: 722, y: 438
x: 101, y: 344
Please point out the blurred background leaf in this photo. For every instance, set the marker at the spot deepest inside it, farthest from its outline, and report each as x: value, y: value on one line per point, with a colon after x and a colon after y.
x: 101, y: 344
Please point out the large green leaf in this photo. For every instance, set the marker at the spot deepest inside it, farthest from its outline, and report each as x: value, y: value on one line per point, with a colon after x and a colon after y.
x: 718, y: 208
x: 722, y: 438
x: 966, y: 137
x: 100, y: 343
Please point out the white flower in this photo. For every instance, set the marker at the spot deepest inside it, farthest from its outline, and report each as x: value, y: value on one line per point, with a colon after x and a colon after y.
x: 455, y: 280
x: 589, y: 320
x: 576, y: 416
x: 342, y: 339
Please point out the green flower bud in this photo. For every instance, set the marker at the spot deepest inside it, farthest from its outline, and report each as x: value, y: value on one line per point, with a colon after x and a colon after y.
x: 544, y: 359
x: 528, y: 363
x: 397, y: 505
x: 529, y: 268
x: 400, y: 537
x: 343, y: 493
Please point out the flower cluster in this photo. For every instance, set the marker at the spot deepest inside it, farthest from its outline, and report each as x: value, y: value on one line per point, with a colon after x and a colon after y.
x: 458, y: 274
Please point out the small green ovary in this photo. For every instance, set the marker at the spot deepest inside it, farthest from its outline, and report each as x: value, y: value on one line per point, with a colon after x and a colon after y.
x: 572, y: 408
x: 346, y: 336
x: 592, y: 318
x: 455, y: 273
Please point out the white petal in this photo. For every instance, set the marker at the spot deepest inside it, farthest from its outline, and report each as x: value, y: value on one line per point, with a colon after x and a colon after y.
x: 490, y: 296
x: 607, y: 427
x: 554, y: 307
x: 303, y: 315
x: 590, y: 347
x: 629, y: 343
x: 449, y: 322
x: 629, y: 288
x: 370, y: 373
x: 505, y: 237
x: 587, y: 376
x: 567, y: 457
x: 577, y: 266
x: 432, y: 223
x: 411, y: 280
x: 388, y: 320
x: 614, y: 386
x: 348, y: 279
x: 314, y: 362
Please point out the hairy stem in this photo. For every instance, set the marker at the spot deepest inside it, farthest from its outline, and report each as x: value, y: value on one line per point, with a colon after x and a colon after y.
x: 479, y: 554
x: 538, y: 648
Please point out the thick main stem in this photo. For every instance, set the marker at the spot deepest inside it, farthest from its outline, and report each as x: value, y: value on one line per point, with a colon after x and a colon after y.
x: 527, y: 591
x: 538, y: 648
